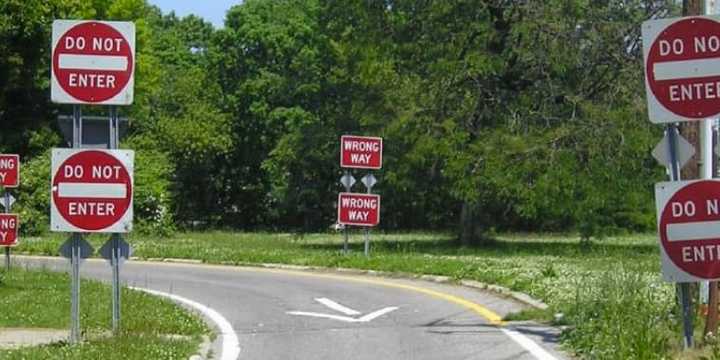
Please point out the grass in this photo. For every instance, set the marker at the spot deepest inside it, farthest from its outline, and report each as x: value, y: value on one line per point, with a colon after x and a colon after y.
x: 609, y: 292
x: 152, y: 328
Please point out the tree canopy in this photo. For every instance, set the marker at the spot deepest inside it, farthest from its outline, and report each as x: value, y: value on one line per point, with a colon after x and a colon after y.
x: 505, y: 115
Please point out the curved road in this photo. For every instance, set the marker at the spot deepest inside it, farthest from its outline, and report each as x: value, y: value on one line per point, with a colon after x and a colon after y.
x: 284, y: 314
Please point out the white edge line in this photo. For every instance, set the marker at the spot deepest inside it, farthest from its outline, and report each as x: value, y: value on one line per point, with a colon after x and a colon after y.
x: 337, y: 307
x: 230, y: 342
x: 529, y: 345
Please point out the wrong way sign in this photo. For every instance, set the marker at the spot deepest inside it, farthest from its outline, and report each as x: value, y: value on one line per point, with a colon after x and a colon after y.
x: 682, y: 68
x: 92, y: 190
x: 8, y: 229
x: 9, y: 170
x: 93, y: 62
x: 358, y: 209
x: 688, y: 217
x: 361, y: 152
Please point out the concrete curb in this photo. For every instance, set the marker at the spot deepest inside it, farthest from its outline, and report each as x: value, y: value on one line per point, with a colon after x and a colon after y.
x: 500, y: 290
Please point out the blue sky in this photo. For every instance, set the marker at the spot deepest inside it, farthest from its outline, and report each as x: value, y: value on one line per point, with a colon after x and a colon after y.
x: 210, y: 10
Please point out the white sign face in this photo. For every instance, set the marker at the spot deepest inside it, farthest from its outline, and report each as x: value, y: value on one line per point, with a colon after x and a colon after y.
x: 682, y: 68
x: 92, y: 190
x: 93, y: 62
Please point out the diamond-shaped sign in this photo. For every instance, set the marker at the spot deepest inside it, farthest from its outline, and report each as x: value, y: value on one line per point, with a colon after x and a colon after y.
x: 86, y: 249
x: 117, y: 243
x: 685, y: 150
x: 348, y: 181
x: 369, y: 180
x: 9, y: 198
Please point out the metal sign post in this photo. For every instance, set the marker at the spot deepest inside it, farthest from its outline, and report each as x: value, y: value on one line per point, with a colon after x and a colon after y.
x: 8, y: 205
x: 369, y: 181
x: 348, y: 181
x: 76, y: 242
x: 75, y: 289
x: 683, y: 288
x: 115, y: 249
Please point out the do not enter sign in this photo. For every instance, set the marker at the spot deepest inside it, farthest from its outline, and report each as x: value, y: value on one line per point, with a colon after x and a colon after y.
x: 93, y: 62
x: 92, y: 190
x: 682, y: 68
x: 689, y: 229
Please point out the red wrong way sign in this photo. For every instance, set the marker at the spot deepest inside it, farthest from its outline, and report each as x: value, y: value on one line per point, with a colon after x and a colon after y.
x: 682, y: 68
x: 92, y: 190
x: 358, y: 209
x: 689, y: 229
x: 8, y: 229
x: 361, y: 152
x: 9, y: 170
x: 93, y: 62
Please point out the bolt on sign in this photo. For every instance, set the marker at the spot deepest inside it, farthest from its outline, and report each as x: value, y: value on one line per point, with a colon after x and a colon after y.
x: 361, y: 152
x: 358, y: 209
x: 682, y: 68
x: 688, y: 217
x: 8, y: 229
x: 93, y: 62
x: 9, y: 170
x: 92, y: 190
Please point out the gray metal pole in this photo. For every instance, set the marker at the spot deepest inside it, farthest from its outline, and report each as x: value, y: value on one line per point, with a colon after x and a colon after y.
x: 7, y: 248
x: 114, y: 142
x: 345, y: 228
x: 367, y: 231
x: 115, y: 262
x: 75, y: 289
x: 684, y: 288
x: 76, y: 237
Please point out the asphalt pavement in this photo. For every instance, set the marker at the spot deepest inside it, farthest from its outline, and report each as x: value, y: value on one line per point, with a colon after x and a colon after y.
x: 290, y: 314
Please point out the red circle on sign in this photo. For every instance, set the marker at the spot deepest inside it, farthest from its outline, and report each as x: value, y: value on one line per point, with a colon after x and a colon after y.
x: 97, y: 62
x: 92, y: 190
x: 690, y: 89
x: 687, y: 248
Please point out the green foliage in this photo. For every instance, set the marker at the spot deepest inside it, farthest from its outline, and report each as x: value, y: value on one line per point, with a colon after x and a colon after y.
x: 152, y: 199
x: 520, y: 116
x: 618, y: 316
x: 33, y: 195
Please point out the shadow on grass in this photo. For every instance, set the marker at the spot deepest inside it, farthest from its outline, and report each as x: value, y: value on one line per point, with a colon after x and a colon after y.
x: 498, y: 247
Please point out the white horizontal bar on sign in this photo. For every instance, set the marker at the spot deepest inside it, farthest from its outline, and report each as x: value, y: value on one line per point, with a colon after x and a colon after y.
x: 703, y: 230
x: 92, y: 190
x: 92, y: 62
x: 687, y: 69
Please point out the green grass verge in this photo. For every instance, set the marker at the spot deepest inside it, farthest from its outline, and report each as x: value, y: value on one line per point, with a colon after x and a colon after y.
x: 41, y: 299
x: 610, y: 292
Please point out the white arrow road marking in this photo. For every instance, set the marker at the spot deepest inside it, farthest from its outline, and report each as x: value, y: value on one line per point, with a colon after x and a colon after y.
x: 345, y: 310
x: 337, y: 307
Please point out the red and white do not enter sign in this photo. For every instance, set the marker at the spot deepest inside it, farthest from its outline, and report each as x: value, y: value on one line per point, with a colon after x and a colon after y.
x: 682, y: 68
x: 689, y: 229
x: 93, y: 62
x: 92, y: 190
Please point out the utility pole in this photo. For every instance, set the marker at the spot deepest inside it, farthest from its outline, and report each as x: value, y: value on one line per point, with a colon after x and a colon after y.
x: 706, y: 171
x: 690, y: 130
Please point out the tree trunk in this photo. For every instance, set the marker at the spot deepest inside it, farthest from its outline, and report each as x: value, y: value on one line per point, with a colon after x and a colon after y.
x: 471, y: 231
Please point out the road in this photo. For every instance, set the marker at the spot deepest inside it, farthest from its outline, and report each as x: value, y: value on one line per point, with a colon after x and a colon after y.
x: 287, y: 314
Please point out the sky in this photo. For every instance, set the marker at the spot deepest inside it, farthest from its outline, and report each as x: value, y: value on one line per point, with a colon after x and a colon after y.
x: 210, y: 10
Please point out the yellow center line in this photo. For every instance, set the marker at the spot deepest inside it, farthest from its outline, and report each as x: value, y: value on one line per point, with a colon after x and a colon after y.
x: 478, y: 309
